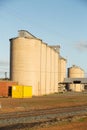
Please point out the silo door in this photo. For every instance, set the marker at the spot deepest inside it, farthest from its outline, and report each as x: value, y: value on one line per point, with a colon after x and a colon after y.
x: 10, y: 91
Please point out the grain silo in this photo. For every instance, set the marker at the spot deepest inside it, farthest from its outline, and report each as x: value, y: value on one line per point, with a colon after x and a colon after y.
x: 25, y: 60
x: 76, y: 72
x: 62, y: 69
x: 56, y: 72
x: 52, y: 70
x: 48, y: 71
x: 34, y: 63
x: 43, y: 68
x: 54, y: 67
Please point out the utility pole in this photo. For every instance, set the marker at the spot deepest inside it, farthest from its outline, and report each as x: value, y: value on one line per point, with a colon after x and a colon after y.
x: 5, y: 75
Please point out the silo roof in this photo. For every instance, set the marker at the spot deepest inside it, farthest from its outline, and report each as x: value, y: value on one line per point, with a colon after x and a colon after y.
x: 75, y: 66
x: 24, y: 33
x: 55, y: 48
x: 63, y: 58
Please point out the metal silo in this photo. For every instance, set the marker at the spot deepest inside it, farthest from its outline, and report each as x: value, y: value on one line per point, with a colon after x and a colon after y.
x: 76, y: 72
x: 25, y: 61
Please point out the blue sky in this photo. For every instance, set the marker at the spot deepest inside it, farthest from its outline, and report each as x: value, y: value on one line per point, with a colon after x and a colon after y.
x: 56, y: 22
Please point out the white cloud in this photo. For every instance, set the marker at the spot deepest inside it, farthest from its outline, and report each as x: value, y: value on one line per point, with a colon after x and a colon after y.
x: 81, y: 45
x: 4, y: 63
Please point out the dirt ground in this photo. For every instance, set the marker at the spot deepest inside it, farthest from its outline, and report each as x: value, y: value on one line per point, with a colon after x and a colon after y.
x: 43, y: 102
x: 51, y: 101
x: 68, y: 126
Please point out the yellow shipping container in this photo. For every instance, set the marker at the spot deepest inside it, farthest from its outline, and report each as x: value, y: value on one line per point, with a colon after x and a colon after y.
x: 21, y: 91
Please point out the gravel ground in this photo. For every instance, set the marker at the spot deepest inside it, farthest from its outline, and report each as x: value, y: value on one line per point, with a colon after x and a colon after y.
x: 78, y: 125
